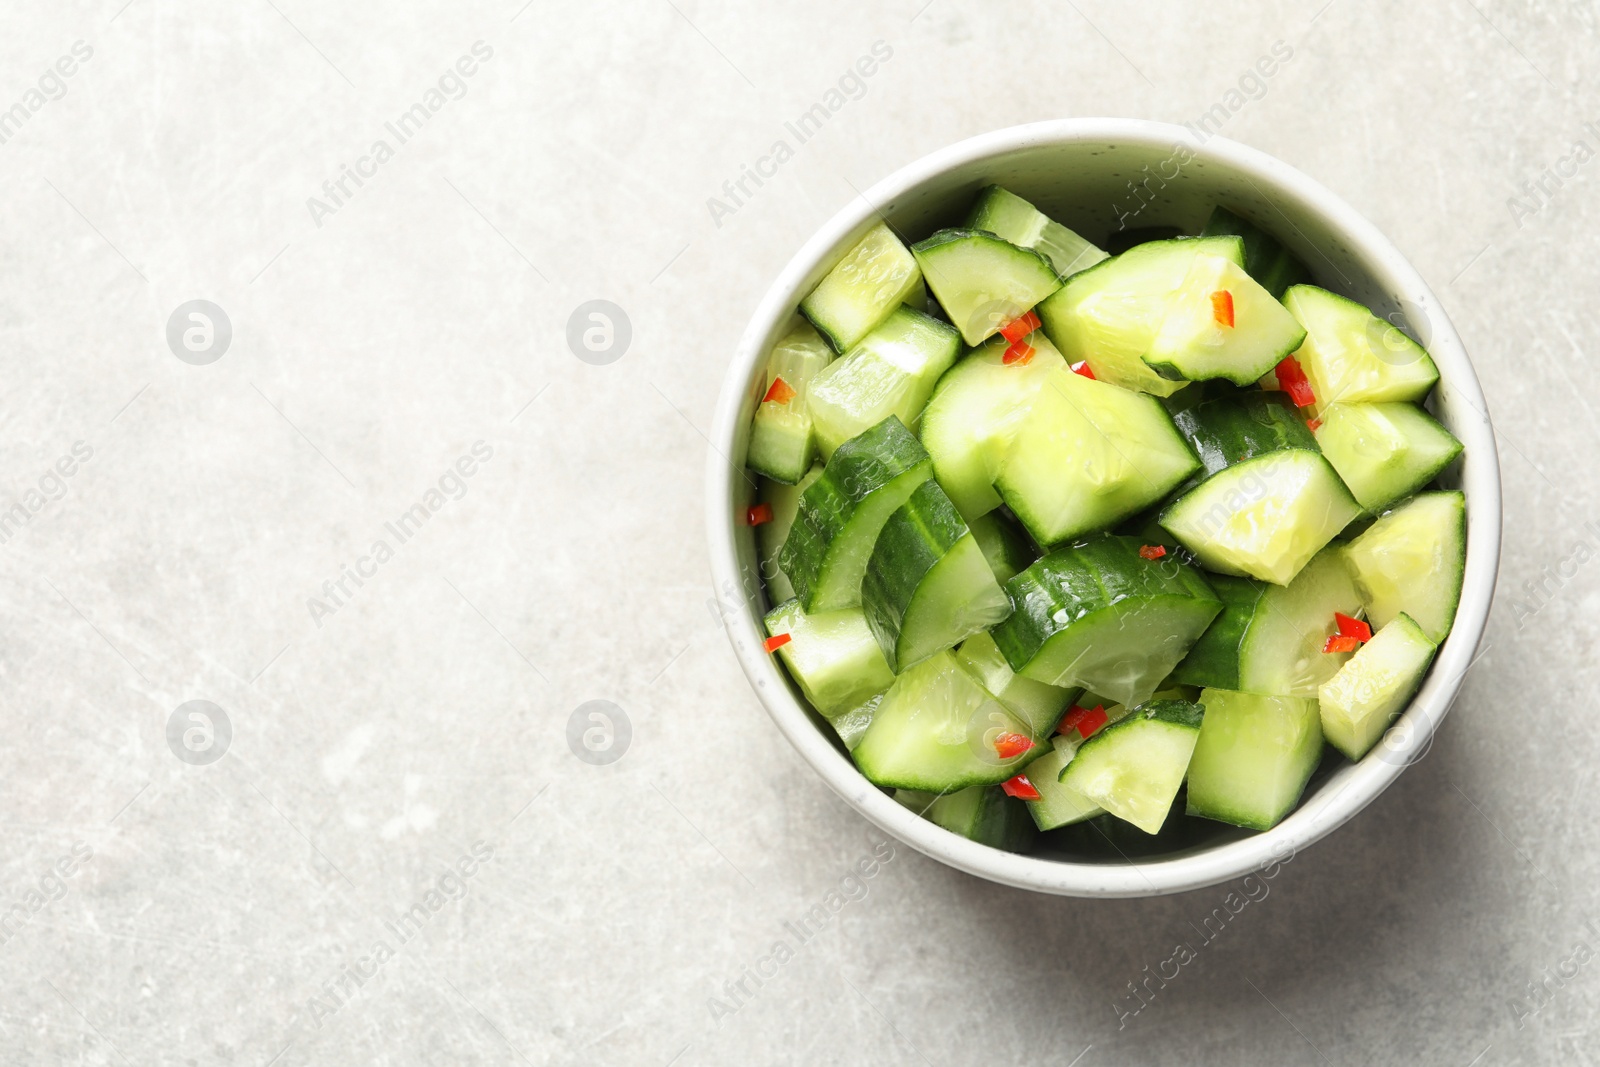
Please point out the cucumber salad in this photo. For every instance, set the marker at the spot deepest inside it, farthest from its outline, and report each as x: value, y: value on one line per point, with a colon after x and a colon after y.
x: 1110, y: 546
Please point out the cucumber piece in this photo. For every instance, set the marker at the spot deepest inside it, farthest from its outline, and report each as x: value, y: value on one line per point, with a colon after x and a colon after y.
x: 935, y: 730
x: 1384, y: 451
x: 973, y: 415
x: 1360, y: 702
x: 770, y: 536
x: 928, y: 586
x: 1254, y: 757
x: 985, y: 814
x: 852, y: 725
x: 1011, y: 218
x: 1037, y: 704
x: 842, y: 512
x: 1006, y: 547
x: 1099, y: 616
x: 1088, y: 454
x: 1133, y: 768
x: 872, y: 279
x: 783, y: 442
x: 1058, y: 805
x: 1193, y: 343
x: 1109, y: 314
x: 1269, y: 638
x: 892, y: 371
x: 982, y: 281
x: 1268, y: 500
x: 832, y: 655
x: 1412, y: 560
x: 1351, y: 356
x: 1266, y: 260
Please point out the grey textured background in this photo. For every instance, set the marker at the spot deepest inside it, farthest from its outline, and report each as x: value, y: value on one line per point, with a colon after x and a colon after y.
x: 373, y: 748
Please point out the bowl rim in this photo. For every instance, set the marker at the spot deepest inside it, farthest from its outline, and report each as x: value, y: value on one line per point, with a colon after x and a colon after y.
x: 1318, y: 814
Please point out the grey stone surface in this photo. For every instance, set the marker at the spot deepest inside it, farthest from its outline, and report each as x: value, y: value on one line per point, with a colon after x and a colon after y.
x: 421, y: 723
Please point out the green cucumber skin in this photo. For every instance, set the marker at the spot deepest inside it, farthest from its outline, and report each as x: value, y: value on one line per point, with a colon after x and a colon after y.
x: 1240, y: 426
x: 1071, y: 583
x: 857, y: 469
x: 985, y: 814
x: 912, y: 542
x: 1265, y: 258
x: 1213, y: 662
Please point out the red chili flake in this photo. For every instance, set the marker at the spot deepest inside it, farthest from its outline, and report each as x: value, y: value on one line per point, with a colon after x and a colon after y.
x: 1092, y: 721
x: 1152, y: 551
x: 781, y: 392
x: 1009, y: 745
x: 1292, y: 380
x: 1085, y: 370
x: 775, y: 642
x: 1313, y: 425
x: 758, y: 514
x: 1341, y: 643
x: 1020, y: 788
x: 1349, y: 626
x: 1017, y: 329
x: 1084, y: 720
x: 1019, y: 352
x: 1222, y: 307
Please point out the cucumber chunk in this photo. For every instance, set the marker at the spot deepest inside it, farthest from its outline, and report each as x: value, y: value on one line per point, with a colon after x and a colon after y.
x: 1254, y: 757
x: 770, y: 536
x: 832, y: 655
x: 1058, y: 805
x: 891, y: 371
x: 1099, y: 616
x: 1267, y: 261
x: 1240, y: 342
x: 1360, y: 702
x: 1007, y: 548
x: 1011, y: 218
x: 928, y: 586
x: 1384, y: 451
x: 1037, y: 704
x: 842, y: 513
x: 783, y: 441
x: 1109, y: 314
x: 982, y: 281
x: 935, y: 730
x: 1088, y: 454
x: 985, y: 814
x: 1351, y: 356
x: 872, y: 279
x: 1269, y: 500
x: 1133, y: 768
x: 973, y: 416
x: 1412, y: 560
x: 852, y: 725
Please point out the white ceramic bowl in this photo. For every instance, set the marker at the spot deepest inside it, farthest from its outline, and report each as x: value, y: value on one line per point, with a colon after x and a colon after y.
x: 1094, y: 175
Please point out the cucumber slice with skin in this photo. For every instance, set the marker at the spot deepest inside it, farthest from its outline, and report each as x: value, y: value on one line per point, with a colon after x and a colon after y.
x: 1254, y: 757
x: 1384, y: 451
x: 1267, y: 261
x: 973, y: 416
x: 832, y: 655
x: 1058, y: 805
x: 1109, y: 314
x: 770, y: 536
x: 1099, y: 616
x: 1037, y: 704
x: 1133, y: 768
x: 982, y: 281
x: 985, y: 814
x: 872, y: 279
x: 928, y: 586
x: 1269, y: 638
x: 1360, y: 702
x: 1006, y: 547
x: 1088, y: 454
x: 1412, y: 560
x: 783, y: 441
x: 935, y: 730
x: 1194, y: 343
x: 1268, y: 500
x: 841, y: 514
x: 1011, y: 218
x: 891, y: 371
x: 1351, y: 356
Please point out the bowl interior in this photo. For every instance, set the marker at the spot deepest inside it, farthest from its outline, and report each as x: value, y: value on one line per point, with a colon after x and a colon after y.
x: 1101, y: 179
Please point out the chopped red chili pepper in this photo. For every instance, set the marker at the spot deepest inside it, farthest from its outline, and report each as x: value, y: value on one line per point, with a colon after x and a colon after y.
x: 1092, y: 721
x: 1292, y: 379
x: 781, y: 392
x: 1352, y: 627
x: 1313, y: 424
x: 758, y: 514
x: 775, y: 642
x: 1085, y: 370
x: 1222, y: 307
x: 1020, y: 788
x: 1009, y: 745
x: 1341, y: 643
x: 1017, y: 329
x: 1084, y: 720
x: 1152, y: 551
x: 1019, y: 352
